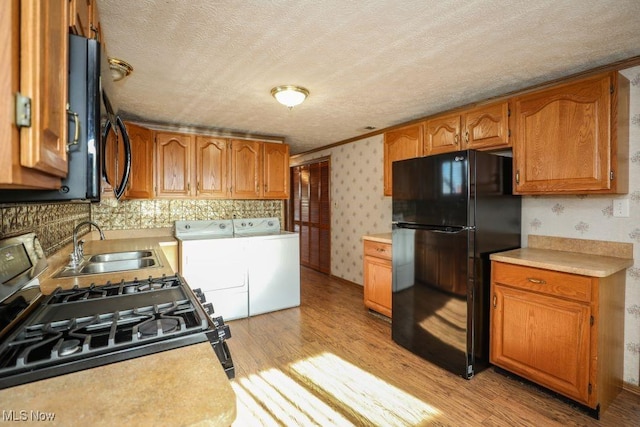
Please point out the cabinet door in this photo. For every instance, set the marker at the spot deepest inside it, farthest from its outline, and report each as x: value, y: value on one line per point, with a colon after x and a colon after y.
x: 544, y: 339
x: 400, y: 144
x: 43, y: 78
x: 442, y: 134
x: 174, y: 154
x: 562, y: 140
x: 275, y: 171
x: 246, y: 159
x: 486, y: 126
x: 141, y: 179
x: 377, y: 284
x: 212, y: 160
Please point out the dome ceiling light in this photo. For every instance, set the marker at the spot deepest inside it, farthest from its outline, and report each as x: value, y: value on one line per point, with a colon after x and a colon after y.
x: 119, y: 69
x: 289, y: 95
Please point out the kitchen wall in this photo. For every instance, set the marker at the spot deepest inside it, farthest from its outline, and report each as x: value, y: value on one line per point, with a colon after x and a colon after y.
x: 359, y: 208
x: 53, y: 223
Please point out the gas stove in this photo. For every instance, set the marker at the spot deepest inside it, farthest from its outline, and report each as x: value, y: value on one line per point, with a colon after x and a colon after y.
x: 80, y: 328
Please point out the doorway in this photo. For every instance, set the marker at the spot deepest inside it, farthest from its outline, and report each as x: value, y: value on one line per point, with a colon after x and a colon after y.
x: 310, y: 212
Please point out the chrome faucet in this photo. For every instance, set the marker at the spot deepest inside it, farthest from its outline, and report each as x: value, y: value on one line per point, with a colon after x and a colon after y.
x: 78, y: 247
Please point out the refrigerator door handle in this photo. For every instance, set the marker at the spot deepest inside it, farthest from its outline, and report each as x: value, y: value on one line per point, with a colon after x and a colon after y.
x: 434, y: 228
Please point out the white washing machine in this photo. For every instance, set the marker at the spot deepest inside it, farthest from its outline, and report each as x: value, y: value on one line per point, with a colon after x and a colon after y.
x: 214, y: 261
x: 274, y: 264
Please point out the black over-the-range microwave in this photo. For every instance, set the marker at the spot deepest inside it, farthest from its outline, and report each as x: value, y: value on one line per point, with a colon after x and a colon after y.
x: 97, y: 124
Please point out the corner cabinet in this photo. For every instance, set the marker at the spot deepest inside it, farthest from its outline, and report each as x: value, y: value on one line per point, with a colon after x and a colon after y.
x: 35, y: 61
x: 275, y: 171
x: 400, y: 144
x: 563, y: 331
x: 377, y: 276
x: 573, y: 138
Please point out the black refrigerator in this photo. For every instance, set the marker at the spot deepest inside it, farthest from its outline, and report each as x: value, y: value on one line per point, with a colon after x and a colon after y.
x: 450, y: 212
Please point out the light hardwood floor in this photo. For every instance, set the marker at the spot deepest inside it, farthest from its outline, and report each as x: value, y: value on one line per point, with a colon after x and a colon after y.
x: 332, y: 362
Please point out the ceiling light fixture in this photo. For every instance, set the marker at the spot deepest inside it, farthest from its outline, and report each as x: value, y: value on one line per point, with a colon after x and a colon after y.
x: 289, y: 95
x: 119, y: 69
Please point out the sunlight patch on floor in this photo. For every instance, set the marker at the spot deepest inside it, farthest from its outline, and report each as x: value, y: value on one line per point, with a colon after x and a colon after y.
x: 272, y: 398
x: 373, y: 400
x: 325, y: 391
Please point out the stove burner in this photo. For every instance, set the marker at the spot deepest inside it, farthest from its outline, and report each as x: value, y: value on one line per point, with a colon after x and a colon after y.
x: 150, y: 329
x: 69, y: 347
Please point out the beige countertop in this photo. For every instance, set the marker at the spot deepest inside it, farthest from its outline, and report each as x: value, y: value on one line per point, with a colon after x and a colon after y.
x: 379, y: 237
x: 585, y: 257
x: 185, y: 386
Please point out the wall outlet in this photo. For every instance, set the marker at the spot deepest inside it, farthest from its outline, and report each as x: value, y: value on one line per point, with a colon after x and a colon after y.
x: 621, y: 208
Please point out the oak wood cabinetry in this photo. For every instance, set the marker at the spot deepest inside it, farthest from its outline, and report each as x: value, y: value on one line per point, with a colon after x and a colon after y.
x: 212, y: 167
x: 442, y: 134
x: 202, y: 166
x: 174, y: 164
x: 573, y: 138
x: 140, y: 184
x: 377, y: 276
x: 561, y: 330
x: 400, y: 144
x: 83, y: 18
x: 34, y: 57
x: 482, y: 127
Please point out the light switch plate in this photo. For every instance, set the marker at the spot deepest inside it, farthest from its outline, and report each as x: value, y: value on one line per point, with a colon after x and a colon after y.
x: 621, y: 208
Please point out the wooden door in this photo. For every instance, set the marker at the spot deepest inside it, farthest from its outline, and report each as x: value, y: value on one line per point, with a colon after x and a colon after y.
x: 141, y: 178
x: 442, y: 134
x: 212, y: 171
x: 246, y: 173
x: 43, y: 78
x: 400, y: 144
x: 544, y: 339
x: 562, y: 140
x: 275, y: 171
x: 486, y: 126
x: 309, y: 210
x: 174, y: 154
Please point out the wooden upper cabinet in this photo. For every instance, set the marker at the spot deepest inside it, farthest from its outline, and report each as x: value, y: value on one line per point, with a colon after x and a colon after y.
x: 212, y: 167
x: 275, y: 174
x: 246, y: 172
x: 442, y: 134
x: 43, y: 78
x: 140, y: 184
x: 174, y: 153
x: 566, y: 138
x: 486, y: 126
x: 400, y: 144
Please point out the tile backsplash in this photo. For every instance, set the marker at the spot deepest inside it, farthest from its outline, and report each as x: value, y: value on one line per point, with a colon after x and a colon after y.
x: 53, y: 223
x: 136, y: 214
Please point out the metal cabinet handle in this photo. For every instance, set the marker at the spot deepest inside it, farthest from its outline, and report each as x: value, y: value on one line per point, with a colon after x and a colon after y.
x: 455, y: 139
x: 466, y: 137
x: 76, y: 132
x: 495, y: 301
x: 537, y: 281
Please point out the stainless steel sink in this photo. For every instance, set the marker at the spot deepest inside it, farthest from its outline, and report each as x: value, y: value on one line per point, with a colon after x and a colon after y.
x: 120, y: 256
x: 122, y: 265
x: 112, y: 262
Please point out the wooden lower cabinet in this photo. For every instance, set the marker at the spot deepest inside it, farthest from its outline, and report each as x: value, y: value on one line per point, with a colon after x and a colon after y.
x: 562, y: 331
x: 377, y: 276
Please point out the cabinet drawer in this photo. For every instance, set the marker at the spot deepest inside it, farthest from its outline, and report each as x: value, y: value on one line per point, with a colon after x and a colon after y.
x: 548, y: 282
x: 377, y: 249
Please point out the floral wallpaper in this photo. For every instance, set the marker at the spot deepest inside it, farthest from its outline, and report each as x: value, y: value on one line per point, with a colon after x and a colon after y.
x: 359, y: 208
x: 591, y: 217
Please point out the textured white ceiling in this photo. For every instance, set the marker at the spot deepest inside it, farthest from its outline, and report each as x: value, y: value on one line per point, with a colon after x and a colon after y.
x: 366, y: 63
